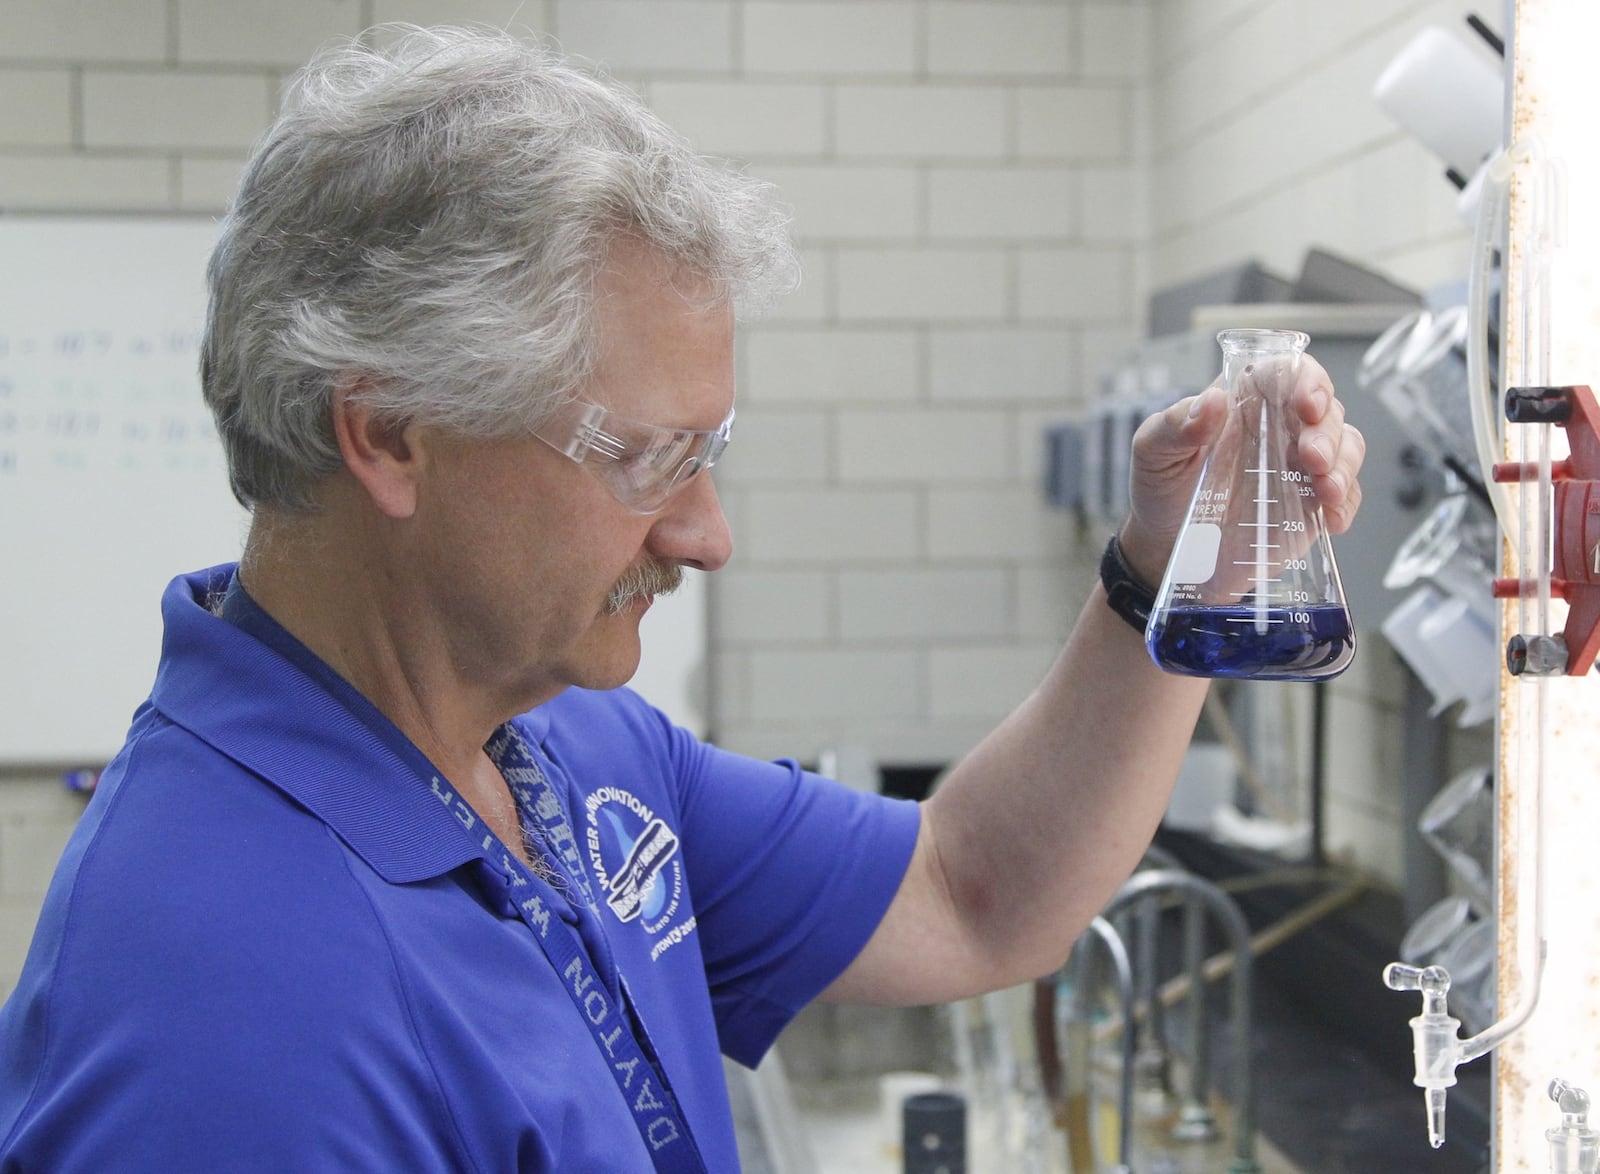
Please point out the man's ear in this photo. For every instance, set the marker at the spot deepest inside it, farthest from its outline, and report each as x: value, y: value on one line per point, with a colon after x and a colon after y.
x: 383, y: 456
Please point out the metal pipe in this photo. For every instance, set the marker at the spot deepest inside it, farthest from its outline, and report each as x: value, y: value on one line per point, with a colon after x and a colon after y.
x: 1221, y: 964
x: 1196, y: 1121
x: 1319, y: 774
x: 1143, y: 884
x: 1153, y: 1061
x: 1154, y: 1058
x: 1104, y: 930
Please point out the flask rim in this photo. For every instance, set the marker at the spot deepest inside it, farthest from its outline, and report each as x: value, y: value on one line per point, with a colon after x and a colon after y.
x: 1253, y: 337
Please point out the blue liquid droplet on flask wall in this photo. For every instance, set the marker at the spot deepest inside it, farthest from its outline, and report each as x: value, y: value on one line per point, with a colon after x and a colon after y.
x: 1300, y: 644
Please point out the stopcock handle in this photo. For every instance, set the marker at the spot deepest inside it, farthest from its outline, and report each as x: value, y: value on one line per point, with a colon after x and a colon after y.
x: 1538, y: 405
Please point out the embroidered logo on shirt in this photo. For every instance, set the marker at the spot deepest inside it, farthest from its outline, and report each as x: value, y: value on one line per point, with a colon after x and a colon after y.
x: 634, y: 855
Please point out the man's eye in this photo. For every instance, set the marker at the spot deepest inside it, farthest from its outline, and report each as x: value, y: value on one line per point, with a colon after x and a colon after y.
x: 666, y: 455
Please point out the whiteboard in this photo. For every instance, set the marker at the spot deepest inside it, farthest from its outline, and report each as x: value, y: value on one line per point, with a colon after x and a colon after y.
x: 112, y: 482
x: 111, y: 478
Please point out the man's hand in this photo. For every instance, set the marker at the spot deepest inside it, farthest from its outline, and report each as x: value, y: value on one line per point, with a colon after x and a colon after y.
x: 1170, y: 447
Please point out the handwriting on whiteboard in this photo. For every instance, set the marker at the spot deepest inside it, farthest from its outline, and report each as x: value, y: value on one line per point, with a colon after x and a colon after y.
x: 91, y: 401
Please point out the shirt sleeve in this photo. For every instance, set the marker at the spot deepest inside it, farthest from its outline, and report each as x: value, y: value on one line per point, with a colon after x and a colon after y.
x: 791, y: 874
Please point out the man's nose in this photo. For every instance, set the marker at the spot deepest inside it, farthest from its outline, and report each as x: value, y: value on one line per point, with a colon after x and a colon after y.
x: 692, y: 529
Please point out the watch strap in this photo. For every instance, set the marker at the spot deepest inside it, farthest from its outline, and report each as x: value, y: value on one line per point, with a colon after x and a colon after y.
x: 1126, y: 594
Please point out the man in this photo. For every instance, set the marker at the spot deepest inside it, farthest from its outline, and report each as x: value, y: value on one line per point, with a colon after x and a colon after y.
x: 391, y: 873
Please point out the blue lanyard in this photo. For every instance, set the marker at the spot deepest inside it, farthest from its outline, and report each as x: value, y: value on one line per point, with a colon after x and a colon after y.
x: 612, y: 1019
x: 611, y: 1016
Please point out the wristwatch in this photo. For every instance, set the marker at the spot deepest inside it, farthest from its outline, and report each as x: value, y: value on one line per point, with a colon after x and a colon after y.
x: 1127, y: 594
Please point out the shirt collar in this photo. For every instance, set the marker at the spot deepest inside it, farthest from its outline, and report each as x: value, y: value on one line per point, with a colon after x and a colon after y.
x: 242, y: 683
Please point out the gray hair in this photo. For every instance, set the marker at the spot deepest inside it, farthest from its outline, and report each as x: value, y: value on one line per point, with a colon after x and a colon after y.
x: 427, y: 220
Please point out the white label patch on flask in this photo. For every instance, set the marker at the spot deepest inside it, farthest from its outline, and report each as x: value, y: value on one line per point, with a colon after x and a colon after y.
x: 1195, y: 559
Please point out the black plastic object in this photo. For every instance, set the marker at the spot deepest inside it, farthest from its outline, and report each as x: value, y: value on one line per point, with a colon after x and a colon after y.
x: 1538, y: 405
x: 935, y: 1133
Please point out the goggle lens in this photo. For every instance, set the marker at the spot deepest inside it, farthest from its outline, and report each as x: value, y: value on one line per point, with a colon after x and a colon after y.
x: 644, y: 465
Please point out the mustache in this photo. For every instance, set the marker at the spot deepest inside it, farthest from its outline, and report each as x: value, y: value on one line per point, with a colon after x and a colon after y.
x: 649, y: 578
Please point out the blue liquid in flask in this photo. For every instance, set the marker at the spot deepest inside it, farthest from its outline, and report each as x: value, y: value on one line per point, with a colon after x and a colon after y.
x: 1278, y: 644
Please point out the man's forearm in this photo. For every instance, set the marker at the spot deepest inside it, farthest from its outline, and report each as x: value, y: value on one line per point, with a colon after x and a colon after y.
x: 1037, y: 827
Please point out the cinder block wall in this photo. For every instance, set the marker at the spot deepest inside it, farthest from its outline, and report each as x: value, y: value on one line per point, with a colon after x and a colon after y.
x: 1264, y: 138
x: 967, y: 194
x: 985, y: 191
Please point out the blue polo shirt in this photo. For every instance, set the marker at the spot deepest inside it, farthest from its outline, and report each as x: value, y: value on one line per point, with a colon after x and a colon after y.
x: 279, y: 941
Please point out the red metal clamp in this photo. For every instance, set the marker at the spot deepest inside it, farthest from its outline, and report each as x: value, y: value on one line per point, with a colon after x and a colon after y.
x: 1575, y: 518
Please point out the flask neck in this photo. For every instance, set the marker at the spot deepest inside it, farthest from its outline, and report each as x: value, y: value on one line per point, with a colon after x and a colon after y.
x: 1261, y: 363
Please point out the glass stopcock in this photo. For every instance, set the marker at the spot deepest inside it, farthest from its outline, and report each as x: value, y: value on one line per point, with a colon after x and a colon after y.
x: 1252, y: 589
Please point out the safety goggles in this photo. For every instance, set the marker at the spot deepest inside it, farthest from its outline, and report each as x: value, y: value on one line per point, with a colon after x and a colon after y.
x: 642, y: 464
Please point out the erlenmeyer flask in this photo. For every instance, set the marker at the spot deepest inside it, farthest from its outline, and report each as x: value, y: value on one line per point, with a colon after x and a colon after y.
x: 1251, y: 589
